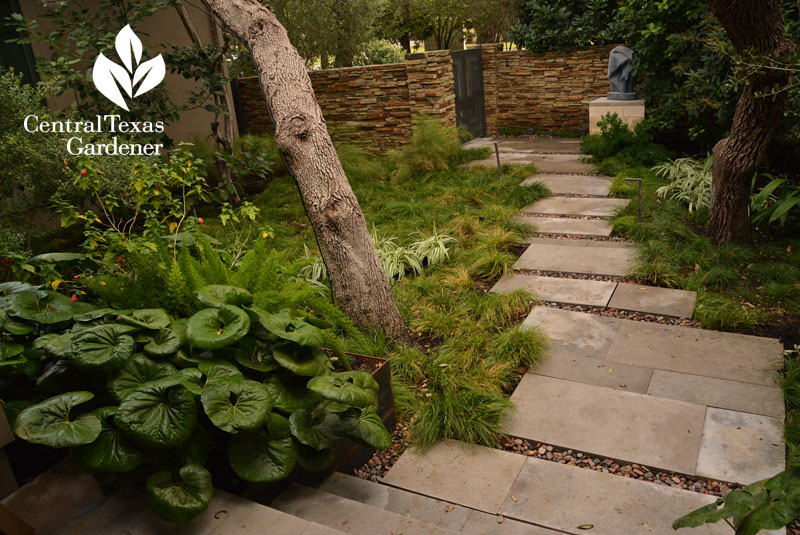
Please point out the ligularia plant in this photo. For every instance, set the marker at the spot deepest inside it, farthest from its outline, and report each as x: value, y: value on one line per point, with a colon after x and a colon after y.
x: 109, y: 77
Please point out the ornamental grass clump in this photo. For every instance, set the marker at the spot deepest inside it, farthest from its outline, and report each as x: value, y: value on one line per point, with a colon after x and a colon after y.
x: 148, y: 395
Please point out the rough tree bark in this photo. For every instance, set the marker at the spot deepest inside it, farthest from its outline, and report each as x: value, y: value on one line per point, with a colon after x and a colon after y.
x: 358, y: 281
x: 754, y: 27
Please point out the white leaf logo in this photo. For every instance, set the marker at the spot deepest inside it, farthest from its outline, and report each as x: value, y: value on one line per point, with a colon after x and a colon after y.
x: 109, y: 77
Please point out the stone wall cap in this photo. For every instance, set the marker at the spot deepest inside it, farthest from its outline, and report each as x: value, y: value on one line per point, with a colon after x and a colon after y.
x: 605, y: 101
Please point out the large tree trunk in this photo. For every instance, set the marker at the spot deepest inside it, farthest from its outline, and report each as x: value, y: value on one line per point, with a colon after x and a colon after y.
x: 358, y: 281
x: 753, y: 26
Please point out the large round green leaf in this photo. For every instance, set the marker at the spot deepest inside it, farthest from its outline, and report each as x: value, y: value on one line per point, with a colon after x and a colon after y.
x: 44, y: 306
x: 53, y: 258
x: 365, y: 427
x: 261, y: 457
x: 111, y: 451
x: 51, y: 423
x: 255, y: 354
x: 104, y: 347
x: 217, y: 295
x: 152, y: 318
x: 289, y: 392
x: 302, y: 360
x: 236, y: 405
x: 218, y: 371
x: 357, y: 389
x: 98, y: 314
x: 180, y: 501
x: 214, y: 328
x: 158, y: 415
x: 292, y: 328
x: 137, y: 372
x: 164, y: 343
x: 9, y: 350
x: 14, y: 326
x: 318, y: 431
x: 55, y: 345
x: 314, y: 460
x: 8, y: 288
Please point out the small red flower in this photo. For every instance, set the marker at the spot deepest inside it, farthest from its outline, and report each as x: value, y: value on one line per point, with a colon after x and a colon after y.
x: 119, y: 260
x: 158, y: 186
x: 76, y: 277
x: 200, y: 220
x: 83, y: 172
x: 5, y: 261
x: 74, y: 298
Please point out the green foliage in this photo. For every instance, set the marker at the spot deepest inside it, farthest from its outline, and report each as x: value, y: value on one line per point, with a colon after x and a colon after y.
x: 765, y: 505
x: 689, y: 181
x: 379, y: 52
x: 777, y: 204
x: 627, y: 148
x: 432, y: 147
x: 546, y: 25
x: 122, y: 410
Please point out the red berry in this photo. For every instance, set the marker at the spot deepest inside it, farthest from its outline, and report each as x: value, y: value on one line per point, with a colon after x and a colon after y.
x: 76, y: 277
x: 119, y: 260
x: 73, y: 298
x: 200, y: 220
x: 158, y: 186
x: 83, y: 172
x: 5, y: 261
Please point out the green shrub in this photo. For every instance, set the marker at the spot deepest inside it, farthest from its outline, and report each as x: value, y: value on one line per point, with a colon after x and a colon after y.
x: 546, y: 25
x: 614, y: 136
x: 378, y: 52
x: 139, y: 391
x: 777, y: 204
x: 432, y: 147
x: 689, y: 181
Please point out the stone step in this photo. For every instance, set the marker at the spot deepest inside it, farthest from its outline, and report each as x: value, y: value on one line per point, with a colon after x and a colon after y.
x: 576, y: 206
x: 578, y: 242
x: 545, y: 163
x: 535, y: 145
x: 348, y: 516
x: 633, y: 427
x: 559, y: 290
x: 565, y: 497
x: 577, y: 259
x: 67, y: 500
x: 407, y: 504
x: 572, y: 184
x: 568, y: 226
x: 654, y: 300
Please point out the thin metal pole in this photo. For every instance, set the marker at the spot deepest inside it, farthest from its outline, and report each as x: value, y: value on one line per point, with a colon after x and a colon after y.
x: 497, y: 154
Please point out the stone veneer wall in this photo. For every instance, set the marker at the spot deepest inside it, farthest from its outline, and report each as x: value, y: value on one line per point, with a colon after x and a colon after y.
x: 531, y: 90
x: 374, y: 104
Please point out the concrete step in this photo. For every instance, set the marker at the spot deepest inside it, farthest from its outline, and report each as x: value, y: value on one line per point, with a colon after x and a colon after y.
x: 435, y: 512
x: 578, y: 242
x: 67, y: 500
x: 349, y: 516
x: 576, y: 206
x: 541, y: 145
x: 545, y: 163
x: 568, y: 226
x: 572, y: 184
x: 576, y: 259
x: 559, y: 290
x: 653, y: 300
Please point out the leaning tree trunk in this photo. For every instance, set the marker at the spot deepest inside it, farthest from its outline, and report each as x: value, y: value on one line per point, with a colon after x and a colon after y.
x: 357, y: 278
x: 753, y: 26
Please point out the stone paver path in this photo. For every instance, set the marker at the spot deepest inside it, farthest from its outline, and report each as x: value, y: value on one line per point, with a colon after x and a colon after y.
x: 686, y: 400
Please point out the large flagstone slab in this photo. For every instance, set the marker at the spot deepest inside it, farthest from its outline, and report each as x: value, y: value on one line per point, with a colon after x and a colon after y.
x: 572, y: 184
x: 653, y: 300
x: 545, y: 163
x: 594, y: 371
x: 559, y: 290
x: 485, y: 524
x: 720, y: 393
x: 576, y: 206
x: 735, y: 357
x: 741, y: 447
x: 569, y: 226
x: 575, y: 259
x: 574, y: 334
x: 623, y: 425
x: 579, y: 242
x: 473, y: 476
x: 564, y: 497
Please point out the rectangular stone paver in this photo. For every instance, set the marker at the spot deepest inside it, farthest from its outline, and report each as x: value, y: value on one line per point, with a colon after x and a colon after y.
x: 574, y: 334
x: 485, y: 524
x: 545, y: 163
x: 564, y: 497
x: 577, y: 206
x: 588, y: 260
x: 735, y: 357
x: 572, y: 184
x: 559, y: 290
x: 720, y: 393
x: 568, y: 226
x: 653, y: 300
x: 594, y: 371
x: 578, y: 242
x: 741, y: 447
x: 473, y: 476
x: 633, y: 427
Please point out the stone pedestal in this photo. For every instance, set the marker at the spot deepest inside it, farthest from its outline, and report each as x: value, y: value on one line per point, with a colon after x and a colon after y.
x: 630, y: 111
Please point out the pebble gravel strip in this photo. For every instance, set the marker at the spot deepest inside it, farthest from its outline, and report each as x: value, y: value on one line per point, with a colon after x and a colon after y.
x: 383, y: 460
x: 561, y: 216
x: 579, y: 196
x: 588, y: 461
x: 578, y: 237
x: 627, y: 315
x: 568, y: 275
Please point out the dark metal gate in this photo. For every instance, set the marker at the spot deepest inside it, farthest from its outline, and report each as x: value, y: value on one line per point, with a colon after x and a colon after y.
x: 468, y: 76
